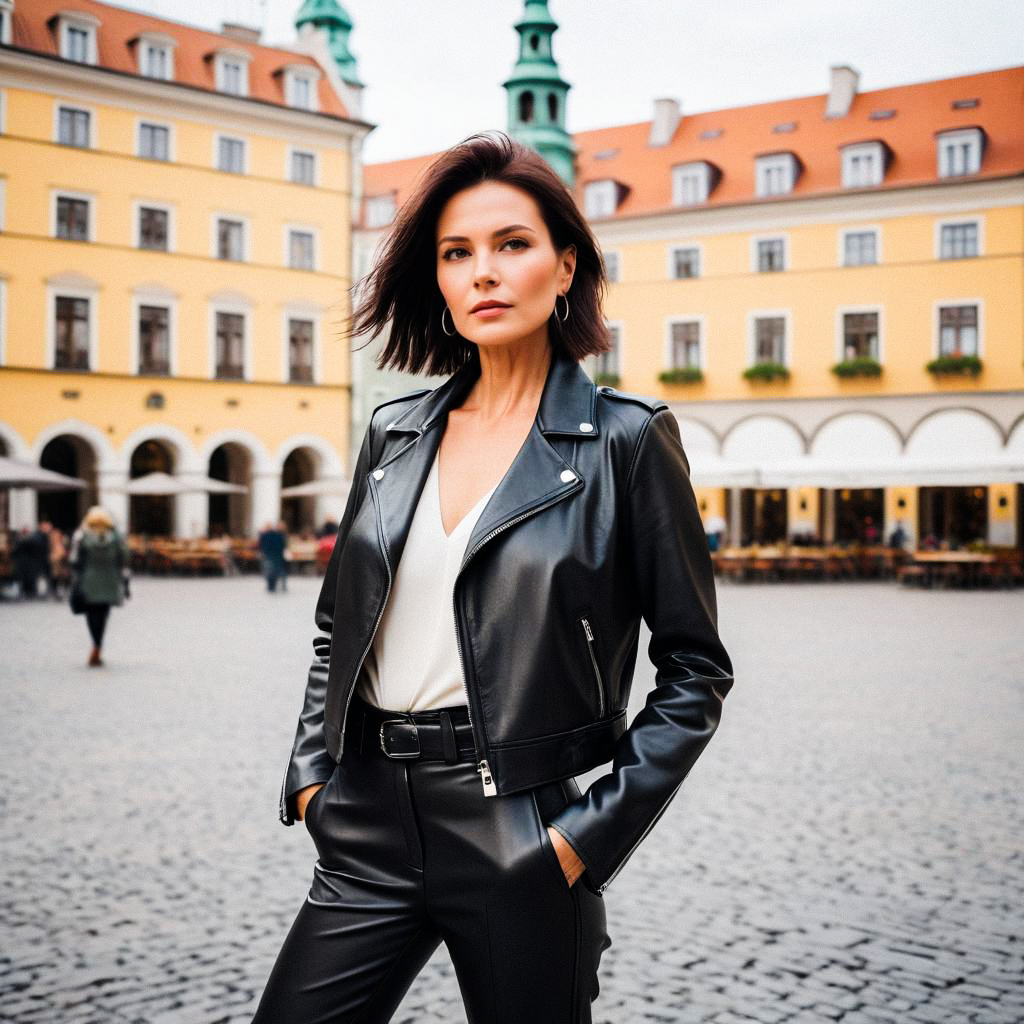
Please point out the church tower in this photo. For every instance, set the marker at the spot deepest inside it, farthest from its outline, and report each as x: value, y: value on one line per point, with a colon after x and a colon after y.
x: 334, y: 21
x: 537, y: 94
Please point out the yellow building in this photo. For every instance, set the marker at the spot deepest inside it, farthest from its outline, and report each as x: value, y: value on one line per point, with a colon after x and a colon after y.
x: 175, y: 240
x: 829, y: 293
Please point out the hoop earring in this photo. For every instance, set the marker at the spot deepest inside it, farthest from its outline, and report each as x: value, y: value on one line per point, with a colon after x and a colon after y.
x: 562, y: 319
x: 452, y: 332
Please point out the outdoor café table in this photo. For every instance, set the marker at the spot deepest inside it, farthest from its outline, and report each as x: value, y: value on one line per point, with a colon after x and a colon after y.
x: 968, y: 562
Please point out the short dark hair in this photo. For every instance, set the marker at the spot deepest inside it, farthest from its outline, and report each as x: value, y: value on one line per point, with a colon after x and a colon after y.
x: 402, y: 288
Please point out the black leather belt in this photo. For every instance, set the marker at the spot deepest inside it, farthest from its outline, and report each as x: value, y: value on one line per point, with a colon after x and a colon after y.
x: 443, y: 734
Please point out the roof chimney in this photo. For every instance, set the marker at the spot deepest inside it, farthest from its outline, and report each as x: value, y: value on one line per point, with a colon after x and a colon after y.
x: 242, y: 32
x: 842, y: 90
x: 665, y: 123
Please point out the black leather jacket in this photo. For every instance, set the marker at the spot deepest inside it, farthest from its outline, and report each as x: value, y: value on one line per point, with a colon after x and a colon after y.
x: 594, y: 525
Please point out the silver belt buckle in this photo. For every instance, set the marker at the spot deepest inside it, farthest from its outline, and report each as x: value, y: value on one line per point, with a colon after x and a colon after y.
x: 400, y: 753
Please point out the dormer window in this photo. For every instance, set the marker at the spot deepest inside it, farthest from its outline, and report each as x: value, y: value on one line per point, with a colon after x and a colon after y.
x: 959, y: 152
x: 379, y: 211
x: 76, y: 36
x: 691, y: 183
x: 776, y: 174
x: 231, y: 71
x: 601, y: 198
x: 863, y: 164
x: 155, y: 53
x: 300, y: 87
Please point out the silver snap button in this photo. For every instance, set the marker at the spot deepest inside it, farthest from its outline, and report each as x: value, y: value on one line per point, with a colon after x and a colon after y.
x: 378, y: 473
x: 588, y: 427
x: 567, y: 475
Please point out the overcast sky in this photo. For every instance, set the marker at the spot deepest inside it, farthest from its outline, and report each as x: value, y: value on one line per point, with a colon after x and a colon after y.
x: 433, y: 68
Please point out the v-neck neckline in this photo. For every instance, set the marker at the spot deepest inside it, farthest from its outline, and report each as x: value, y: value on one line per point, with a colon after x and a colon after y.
x: 437, y: 499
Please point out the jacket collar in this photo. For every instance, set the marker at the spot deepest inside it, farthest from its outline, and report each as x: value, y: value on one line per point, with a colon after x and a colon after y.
x: 568, y: 403
x: 539, y: 476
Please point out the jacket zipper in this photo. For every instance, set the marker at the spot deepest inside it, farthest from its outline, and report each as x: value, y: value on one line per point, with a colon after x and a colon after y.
x: 593, y: 661
x: 484, y: 769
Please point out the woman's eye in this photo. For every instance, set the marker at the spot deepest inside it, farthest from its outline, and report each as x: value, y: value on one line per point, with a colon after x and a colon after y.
x: 520, y: 242
x: 450, y: 253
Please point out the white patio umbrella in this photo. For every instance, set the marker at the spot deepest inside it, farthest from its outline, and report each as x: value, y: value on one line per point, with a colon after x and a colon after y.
x: 14, y: 473
x: 318, y: 488
x: 164, y: 483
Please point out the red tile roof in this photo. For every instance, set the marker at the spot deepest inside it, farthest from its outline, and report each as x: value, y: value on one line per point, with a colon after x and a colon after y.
x: 33, y: 29
x: 921, y: 110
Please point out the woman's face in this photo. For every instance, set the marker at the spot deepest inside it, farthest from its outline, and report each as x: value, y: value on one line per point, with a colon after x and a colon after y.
x: 494, y: 247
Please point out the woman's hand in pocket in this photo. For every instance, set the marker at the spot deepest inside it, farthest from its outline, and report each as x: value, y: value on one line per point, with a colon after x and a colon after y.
x: 572, y: 866
x: 303, y: 797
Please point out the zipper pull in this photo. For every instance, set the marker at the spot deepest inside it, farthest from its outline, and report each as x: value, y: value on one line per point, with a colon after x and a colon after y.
x: 485, y: 772
x: 586, y: 629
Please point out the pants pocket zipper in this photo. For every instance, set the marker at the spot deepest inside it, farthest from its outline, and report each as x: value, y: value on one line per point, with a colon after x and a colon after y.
x: 589, y: 633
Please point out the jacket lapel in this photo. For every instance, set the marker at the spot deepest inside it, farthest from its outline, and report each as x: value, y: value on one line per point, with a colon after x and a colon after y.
x: 538, y: 477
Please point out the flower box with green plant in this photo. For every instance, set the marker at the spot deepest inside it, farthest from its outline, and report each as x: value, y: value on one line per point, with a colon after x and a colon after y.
x: 682, y: 375
x: 611, y: 379
x: 955, y: 363
x: 766, y: 371
x: 858, y: 366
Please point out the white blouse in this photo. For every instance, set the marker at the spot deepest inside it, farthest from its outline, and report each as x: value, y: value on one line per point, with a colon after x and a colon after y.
x: 414, y: 663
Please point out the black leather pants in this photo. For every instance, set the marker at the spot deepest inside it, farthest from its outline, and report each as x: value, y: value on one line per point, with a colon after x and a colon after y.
x: 411, y: 853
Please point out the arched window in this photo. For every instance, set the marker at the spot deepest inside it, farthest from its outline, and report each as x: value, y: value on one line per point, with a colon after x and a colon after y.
x: 526, y: 107
x: 552, y: 107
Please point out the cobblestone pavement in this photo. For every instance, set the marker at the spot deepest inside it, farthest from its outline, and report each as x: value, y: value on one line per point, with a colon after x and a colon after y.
x: 848, y: 848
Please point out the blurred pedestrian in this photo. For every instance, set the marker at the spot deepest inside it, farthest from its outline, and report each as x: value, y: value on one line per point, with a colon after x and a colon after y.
x: 273, y: 541
x: 98, y: 558
x: 31, y: 558
x: 53, y: 568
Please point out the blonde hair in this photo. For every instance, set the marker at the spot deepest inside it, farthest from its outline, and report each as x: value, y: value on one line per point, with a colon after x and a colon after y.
x: 98, y: 518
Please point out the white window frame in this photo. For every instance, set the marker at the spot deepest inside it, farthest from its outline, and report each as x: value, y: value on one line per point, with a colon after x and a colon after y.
x: 840, y: 342
x: 301, y: 311
x: 616, y: 256
x: 959, y: 136
x: 309, y: 75
x: 155, y: 296
x: 620, y: 326
x: 937, y: 304
x: 139, y: 122
x: 787, y: 336
x: 224, y: 57
x: 169, y: 209
x: 223, y: 215
x: 371, y: 203
x: 73, y: 289
x: 68, y: 193
x: 702, y: 346
x: 670, y: 261
x: 289, y: 154
x: 977, y: 220
x: 862, y: 229
x: 217, y: 136
x: 86, y: 23
x: 769, y: 236
x: 6, y: 15
x: 765, y: 165
x: 58, y: 105
x: 698, y: 169
x: 157, y: 41
x: 230, y: 304
x: 286, y: 239
x: 856, y: 150
x: 600, y: 198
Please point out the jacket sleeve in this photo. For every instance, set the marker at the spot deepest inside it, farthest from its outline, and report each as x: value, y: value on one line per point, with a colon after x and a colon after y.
x: 675, y: 591
x: 310, y: 763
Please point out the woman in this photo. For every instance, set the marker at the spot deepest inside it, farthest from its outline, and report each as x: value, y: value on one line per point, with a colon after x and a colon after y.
x: 503, y: 536
x: 98, y: 560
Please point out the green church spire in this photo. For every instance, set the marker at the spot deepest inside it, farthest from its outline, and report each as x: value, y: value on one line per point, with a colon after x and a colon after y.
x: 537, y: 94
x: 330, y: 16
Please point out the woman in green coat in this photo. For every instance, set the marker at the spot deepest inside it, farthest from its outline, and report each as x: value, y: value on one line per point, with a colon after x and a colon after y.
x: 98, y: 559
